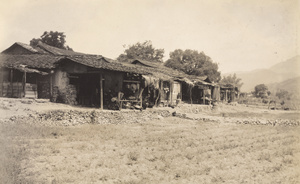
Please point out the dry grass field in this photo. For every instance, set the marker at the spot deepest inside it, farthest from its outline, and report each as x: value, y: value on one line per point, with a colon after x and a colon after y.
x: 169, y: 150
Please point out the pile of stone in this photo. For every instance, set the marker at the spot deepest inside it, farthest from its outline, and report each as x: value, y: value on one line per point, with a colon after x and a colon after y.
x: 279, y: 122
x: 75, y: 117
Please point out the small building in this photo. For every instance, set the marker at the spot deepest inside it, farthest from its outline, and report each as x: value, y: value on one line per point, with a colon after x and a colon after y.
x: 229, y: 93
x: 165, y: 85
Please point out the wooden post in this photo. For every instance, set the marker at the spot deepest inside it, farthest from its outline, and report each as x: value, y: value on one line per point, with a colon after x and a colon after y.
x: 181, y: 91
x: 2, y: 79
x: 24, y: 85
x: 141, y: 97
x: 101, y: 92
x: 171, y: 93
x: 36, y: 90
x: 51, y: 85
x: 209, y: 98
x: 204, y: 96
x: 11, y: 81
x: 191, y: 97
x: 161, y: 92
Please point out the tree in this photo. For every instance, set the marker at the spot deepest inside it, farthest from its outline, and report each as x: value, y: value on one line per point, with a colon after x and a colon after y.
x: 261, y: 91
x: 193, y: 62
x: 144, y: 51
x: 283, y: 94
x: 55, y: 39
x: 231, y: 80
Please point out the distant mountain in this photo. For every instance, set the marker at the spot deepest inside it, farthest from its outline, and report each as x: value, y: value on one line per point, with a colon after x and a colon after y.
x: 290, y: 85
x: 280, y: 72
x: 290, y: 67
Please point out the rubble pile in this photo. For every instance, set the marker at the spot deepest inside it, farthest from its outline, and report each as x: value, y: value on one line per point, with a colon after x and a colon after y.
x: 75, y: 117
x: 280, y: 122
x: 250, y: 121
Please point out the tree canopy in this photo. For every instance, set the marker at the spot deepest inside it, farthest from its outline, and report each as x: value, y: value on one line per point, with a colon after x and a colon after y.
x: 283, y: 94
x: 193, y: 62
x: 231, y: 80
x: 261, y: 91
x: 144, y: 51
x: 52, y: 38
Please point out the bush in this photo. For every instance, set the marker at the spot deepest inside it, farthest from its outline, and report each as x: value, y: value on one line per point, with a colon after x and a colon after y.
x: 265, y: 101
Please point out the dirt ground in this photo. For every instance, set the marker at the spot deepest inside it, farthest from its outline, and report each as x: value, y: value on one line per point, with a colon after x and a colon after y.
x: 187, y: 144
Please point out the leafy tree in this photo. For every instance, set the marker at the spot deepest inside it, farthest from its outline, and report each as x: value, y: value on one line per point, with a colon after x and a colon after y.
x: 283, y: 94
x: 55, y: 39
x: 144, y: 51
x: 193, y: 62
x: 261, y: 91
x: 232, y: 80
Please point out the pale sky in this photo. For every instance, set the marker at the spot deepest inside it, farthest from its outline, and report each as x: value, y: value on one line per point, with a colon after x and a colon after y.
x: 239, y: 35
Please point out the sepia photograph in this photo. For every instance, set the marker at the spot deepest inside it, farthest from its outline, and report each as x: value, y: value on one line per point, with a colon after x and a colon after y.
x: 149, y: 91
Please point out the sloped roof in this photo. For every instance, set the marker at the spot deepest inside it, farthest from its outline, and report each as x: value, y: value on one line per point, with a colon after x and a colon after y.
x: 157, y: 68
x: 147, y: 63
x: 100, y: 62
x: 163, y: 72
x: 30, y: 60
x: 29, y: 70
x: 48, y: 57
x: 41, y: 48
x: 57, y: 51
x: 45, y: 61
x: 28, y: 48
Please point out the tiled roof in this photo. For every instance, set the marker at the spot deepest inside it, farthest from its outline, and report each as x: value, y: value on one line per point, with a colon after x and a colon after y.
x: 56, y: 51
x: 31, y: 60
x: 47, y: 57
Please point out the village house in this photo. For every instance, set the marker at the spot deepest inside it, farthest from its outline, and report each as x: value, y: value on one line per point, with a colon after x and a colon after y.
x: 82, y: 79
x: 177, y: 86
x: 229, y: 93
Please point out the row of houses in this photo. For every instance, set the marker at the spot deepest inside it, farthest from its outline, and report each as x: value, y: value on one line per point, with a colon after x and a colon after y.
x: 82, y: 79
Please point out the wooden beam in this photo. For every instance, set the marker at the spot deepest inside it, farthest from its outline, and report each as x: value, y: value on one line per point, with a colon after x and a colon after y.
x: 131, y: 81
x: 101, y: 92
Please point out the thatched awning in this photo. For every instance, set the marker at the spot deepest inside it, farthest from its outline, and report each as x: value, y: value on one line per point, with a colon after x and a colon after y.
x: 30, y: 70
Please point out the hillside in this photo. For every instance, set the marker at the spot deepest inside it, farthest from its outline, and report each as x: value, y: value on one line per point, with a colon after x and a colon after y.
x: 276, y: 74
x: 291, y: 67
x: 291, y: 85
